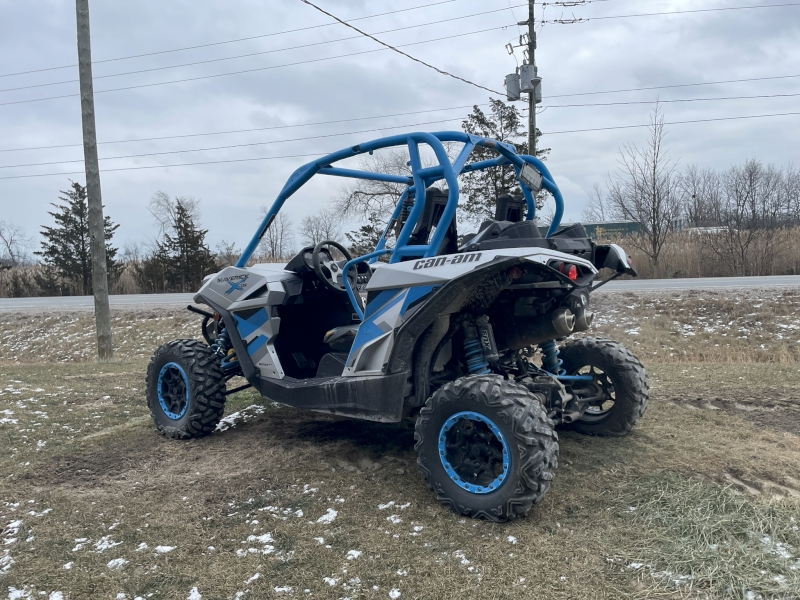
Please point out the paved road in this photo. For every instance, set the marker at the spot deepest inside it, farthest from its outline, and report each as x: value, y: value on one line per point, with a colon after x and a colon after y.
x: 708, y: 283
x: 623, y: 286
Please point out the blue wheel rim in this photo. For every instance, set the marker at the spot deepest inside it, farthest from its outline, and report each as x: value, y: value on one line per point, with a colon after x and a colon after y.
x: 173, y: 390
x: 497, y: 447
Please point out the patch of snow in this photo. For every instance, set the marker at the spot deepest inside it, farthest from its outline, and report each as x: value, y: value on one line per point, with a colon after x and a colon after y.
x: 511, y: 539
x: 252, y: 579
x: 242, y: 416
x: 117, y: 563
x: 104, y: 543
x: 56, y: 596
x: 265, y: 541
x: 328, y: 517
x: 330, y: 581
x: 194, y: 594
x: 142, y: 546
x: 385, y: 506
x: 164, y: 549
x: 283, y: 589
x: 394, y: 519
x: 353, y: 554
x: 394, y: 594
x: 68, y: 566
x: 778, y: 548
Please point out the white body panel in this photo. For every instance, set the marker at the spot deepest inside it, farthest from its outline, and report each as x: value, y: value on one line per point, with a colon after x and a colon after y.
x: 441, y: 269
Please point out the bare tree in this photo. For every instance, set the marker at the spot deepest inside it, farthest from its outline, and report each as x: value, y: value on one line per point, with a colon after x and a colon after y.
x: 14, y: 244
x: 644, y: 190
x: 277, y: 240
x: 701, y: 196
x: 597, y: 209
x: 227, y: 253
x: 754, y: 212
x: 165, y: 210
x: 792, y: 193
x: 325, y: 225
x: 365, y: 198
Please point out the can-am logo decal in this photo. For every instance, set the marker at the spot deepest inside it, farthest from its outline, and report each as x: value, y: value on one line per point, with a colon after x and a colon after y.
x: 440, y: 261
x: 237, y: 283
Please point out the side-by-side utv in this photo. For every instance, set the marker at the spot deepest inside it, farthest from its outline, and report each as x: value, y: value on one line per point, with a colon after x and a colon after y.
x: 466, y: 334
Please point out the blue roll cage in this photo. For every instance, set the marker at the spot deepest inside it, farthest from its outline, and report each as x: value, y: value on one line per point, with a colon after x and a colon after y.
x: 420, y: 179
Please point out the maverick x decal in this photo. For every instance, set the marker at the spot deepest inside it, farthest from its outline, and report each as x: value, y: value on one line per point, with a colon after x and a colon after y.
x: 237, y: 286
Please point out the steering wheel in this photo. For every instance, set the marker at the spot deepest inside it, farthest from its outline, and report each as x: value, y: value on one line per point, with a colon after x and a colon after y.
x: 330, y: 271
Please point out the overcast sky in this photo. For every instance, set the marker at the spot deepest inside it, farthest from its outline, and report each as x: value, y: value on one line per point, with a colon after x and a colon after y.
x: 595, y: 56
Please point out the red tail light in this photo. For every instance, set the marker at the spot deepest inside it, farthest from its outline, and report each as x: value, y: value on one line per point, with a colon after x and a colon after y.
x: 572, y: 273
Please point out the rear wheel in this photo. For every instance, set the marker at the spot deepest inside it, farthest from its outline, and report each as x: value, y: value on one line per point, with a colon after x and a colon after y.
x: 619, y: 385
x: 486, y: 447
x: 185, y: 389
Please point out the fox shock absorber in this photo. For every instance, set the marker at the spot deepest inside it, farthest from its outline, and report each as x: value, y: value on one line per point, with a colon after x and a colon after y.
x: 486, y: 335
x: 480, y: 348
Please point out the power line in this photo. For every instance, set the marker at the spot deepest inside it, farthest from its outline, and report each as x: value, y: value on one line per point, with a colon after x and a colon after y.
x: 673, y: 12
x: 188, y: 135
x: 394, y: 49
x: 302, y: 62
x: 466, y: 106
x: 229, y: 147
x: 211, y: 162
x: 237, y: 160
x: 251, y: 54
x: 316, y: 123
x: 675, y: 123
x: 254, y: 37
x: 672, y: 101
x: 679, y: 85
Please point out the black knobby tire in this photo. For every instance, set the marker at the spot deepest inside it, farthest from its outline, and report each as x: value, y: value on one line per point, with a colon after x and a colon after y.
x: 627, y: 376
x: 521, y: 420
x: 186, y: 362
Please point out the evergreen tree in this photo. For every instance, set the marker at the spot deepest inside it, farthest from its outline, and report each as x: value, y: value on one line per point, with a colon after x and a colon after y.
x: 186, y: 246
x: 67, y: 245
x: 481, y: 189
x: 364, y: 239
x: 181, y: 258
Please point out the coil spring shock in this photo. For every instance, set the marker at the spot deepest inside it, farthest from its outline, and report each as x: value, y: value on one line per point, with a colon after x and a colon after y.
x: 476, y: 361
x: 222, y: 343
x: 550, y: 359
x: 222, y: 348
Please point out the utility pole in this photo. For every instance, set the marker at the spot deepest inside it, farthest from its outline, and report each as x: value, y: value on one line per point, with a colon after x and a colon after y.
x: 102, y: 312
x: 532, y: 95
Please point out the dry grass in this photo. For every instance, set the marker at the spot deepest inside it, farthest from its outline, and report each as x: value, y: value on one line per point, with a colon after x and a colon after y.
x: 720, y: 438
x: 726, y: 326
x: 690, y: 254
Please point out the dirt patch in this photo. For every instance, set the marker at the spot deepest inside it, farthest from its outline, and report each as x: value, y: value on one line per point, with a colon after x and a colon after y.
x: 100, y: 464
x: 776, y: 412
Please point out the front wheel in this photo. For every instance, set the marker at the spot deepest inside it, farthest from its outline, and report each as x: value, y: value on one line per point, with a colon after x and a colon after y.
x: 486, y: 447
x: 619, y: 389
x: 185, y: 389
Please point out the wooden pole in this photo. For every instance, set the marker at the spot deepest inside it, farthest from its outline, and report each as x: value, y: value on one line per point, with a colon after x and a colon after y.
x: 102, y: 311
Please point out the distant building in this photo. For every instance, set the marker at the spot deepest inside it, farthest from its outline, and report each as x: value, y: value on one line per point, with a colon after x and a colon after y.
x: 610, y: 230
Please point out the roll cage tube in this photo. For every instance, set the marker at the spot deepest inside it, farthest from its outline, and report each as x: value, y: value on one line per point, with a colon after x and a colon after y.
x: 420, y: 179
